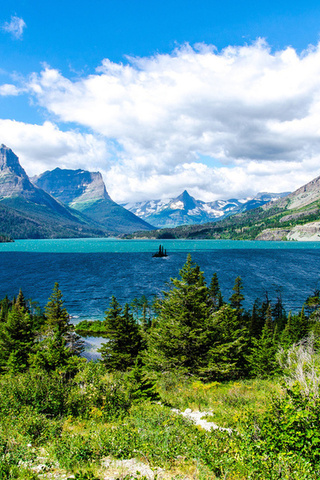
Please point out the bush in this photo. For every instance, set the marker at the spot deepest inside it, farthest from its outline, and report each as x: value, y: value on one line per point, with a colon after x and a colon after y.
x: 98, y: 394
x: 45, y: 393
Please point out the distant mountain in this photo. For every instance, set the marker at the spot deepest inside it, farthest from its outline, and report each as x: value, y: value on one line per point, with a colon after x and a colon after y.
x: 293, y: 217
x: 86, y: 192
x: 186, y: 210
x: 28, y: 212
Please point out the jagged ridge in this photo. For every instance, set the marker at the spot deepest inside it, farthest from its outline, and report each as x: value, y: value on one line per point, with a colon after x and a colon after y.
x: 86, y: 192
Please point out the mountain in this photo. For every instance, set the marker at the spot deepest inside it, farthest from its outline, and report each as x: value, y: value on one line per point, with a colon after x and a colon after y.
x: 28, y: 212
x: 86, y: 192
x: 293, y: 217
x: 186, y: 210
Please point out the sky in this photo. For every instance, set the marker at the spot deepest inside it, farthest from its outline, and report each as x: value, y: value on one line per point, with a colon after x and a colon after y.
x: 219, y: 98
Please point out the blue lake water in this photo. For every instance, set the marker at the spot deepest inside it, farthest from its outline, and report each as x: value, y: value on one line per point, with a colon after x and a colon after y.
x: 90, y: 271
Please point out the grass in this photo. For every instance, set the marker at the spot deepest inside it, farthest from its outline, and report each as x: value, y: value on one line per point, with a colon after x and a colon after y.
x: 140, y: 439
x: 229, y: 402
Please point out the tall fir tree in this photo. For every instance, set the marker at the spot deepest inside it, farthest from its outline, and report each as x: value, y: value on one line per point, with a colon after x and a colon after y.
x: 181, y: 335
x: 215, y: 293
x: 16, y: 340
x: 54, y: 348
x: 226, y: 357
x: 237, y: 297
x: 262, y: 358
x: 124, y: 338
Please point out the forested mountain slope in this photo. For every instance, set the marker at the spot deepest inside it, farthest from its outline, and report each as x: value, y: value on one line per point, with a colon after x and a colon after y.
x: 28, y: 212
x: 294, y: 217
x: 186, y: 210
x: 86, y: 192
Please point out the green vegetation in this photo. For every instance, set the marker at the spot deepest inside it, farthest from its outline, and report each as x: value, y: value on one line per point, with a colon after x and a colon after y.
x: 22, y: 219
x: 244, y: 226
x: 254, y: 373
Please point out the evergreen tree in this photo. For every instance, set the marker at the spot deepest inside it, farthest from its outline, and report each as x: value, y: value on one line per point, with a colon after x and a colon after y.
x: 262, y: 358
x: 237, y: 297
x: 21, y: 302
x: 180, y: 336
x: 16, y: 340
x: 257, y: 320
x: 54, y: 349
x: 279, y: 314
x: 5, y: 306
x: 124, y: 338
x: 297, y: 328
x: 215, y: 292
x: 56, y: 314
x: 226, y: 356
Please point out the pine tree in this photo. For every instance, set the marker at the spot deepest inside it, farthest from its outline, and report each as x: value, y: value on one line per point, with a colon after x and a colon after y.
x: 262, y: 358
x: 226, y: 356
x: 16, y: 341
x: 237, y: 297
x: 215, y: 292
x: 124, y: 338
x: 180, y: 336
x: 279, y: 314
x: 55, y: 349
x: 56, y: 314
x: 257, y: 320
x: 21, y: 302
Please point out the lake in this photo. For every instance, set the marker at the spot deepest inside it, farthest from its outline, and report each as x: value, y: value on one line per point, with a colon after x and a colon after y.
x: 90, y: 271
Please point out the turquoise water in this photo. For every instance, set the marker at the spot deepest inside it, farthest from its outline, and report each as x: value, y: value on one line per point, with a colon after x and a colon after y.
x: 90, y: 271
x: 114, y: 245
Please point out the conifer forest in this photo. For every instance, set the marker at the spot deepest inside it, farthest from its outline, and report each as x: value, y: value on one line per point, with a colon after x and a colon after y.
x: 254, y: 373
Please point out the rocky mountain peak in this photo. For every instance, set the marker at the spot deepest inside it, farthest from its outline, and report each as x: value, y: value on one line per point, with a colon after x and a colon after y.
x: 9, y: 162
x: 14, y: 181
x: 70, y: 186
x: 188, y: 201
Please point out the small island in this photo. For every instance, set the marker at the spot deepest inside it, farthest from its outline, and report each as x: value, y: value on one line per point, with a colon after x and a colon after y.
x: 161, y: 252
x: 5, y: 239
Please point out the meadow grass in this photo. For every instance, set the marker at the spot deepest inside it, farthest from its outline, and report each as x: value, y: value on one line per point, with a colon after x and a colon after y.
x: 110, y: 429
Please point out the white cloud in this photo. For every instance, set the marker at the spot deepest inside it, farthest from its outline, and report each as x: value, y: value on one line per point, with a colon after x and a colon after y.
x: 15, y: 27
x: 45, y: 147
x: 8, y: 90
x: 254, y: 112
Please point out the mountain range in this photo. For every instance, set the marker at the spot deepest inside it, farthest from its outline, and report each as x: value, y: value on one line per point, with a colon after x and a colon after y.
x: 293, y: 217
x: 186, y: 210
x: 27, y: 211
x: 85, y: 192
x: 75, y: 203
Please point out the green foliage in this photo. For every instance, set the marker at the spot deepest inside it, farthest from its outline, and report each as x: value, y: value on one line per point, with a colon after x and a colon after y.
x: 16, y: 340
x: 124, y: 338
x: 226, y: 359
x: 97, y: 394
x: 180, y: 336
x: 46, y: 394
x: 237, y: 297
x: 59, y: 345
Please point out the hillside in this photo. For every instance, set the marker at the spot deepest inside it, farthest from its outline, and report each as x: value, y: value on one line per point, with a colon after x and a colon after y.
x: 294, y: 217
x: 86, y: 192
x: 186, y: 210
x: 28, y: 212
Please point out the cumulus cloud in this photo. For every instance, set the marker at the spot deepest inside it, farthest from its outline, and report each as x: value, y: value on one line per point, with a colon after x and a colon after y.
x: 253, y: 114
x: 45, y: 147
x: 7, y: 90
x: 15, y: 27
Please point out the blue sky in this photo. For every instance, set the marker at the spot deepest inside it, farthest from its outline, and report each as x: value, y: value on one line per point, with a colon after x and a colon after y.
x: 163, y: 96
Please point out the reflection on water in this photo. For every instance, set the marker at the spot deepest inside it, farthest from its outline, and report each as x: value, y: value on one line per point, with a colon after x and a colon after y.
x: 91, y: 346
